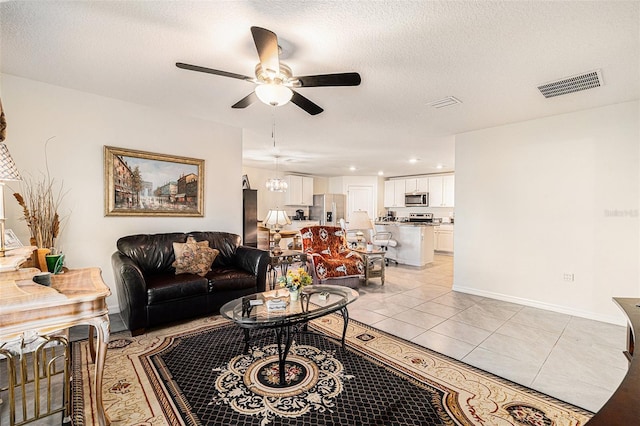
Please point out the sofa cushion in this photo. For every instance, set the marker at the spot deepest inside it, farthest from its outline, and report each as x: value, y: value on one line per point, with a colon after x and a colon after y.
x: 225, y: 279
x: 193, y: 257
x: 225, y: 242
x: 163, y: 288
x: 153, y: 253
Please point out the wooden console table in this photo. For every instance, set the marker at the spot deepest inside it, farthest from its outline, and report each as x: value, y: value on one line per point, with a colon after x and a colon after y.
x: 623, y: 408
x: 77, y: 297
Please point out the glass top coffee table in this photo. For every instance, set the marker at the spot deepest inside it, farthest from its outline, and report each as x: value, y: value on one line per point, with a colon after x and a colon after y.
x: 288, y: 317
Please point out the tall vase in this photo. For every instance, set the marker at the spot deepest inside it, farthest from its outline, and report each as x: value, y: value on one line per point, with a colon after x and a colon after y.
x: 42, y: 259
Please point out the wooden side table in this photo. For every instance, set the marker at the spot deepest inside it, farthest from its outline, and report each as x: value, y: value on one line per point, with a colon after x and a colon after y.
x: 76, y: 297
x: 283, y: 262
x: 373, y: 264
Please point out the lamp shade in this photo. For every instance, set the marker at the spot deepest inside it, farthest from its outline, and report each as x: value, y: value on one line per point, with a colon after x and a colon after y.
x: 360, y: 220
x: 8, y: 169
x: 274, y: 94
x: 276, y: 218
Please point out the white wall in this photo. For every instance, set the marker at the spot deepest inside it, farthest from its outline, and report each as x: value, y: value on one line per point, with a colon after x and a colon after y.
x: 540, y: 198
x: 82, y: 124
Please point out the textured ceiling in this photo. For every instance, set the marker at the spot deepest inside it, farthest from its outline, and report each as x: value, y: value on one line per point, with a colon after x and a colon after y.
x: 490, y: 55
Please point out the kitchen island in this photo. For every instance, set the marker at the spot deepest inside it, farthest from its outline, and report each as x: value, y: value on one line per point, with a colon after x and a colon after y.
x: 415, y: 242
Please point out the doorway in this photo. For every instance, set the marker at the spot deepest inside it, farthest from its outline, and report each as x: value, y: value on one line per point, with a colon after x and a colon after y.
x: 360, y: 197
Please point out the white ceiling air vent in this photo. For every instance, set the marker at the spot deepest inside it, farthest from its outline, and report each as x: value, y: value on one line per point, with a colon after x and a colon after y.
x: 575, y: 83
x: 445, y: 102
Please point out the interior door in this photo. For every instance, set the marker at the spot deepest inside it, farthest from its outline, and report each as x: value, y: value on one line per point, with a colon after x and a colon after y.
x: 360, y: 197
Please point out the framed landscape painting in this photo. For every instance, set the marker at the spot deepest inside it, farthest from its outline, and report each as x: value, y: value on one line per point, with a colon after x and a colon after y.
x: 139, y: 183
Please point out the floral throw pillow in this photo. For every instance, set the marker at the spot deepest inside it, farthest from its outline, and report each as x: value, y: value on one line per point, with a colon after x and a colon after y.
x: 193, y: 257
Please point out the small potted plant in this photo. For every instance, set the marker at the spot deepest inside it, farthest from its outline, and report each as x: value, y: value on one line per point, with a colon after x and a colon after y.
x: 294, y: 280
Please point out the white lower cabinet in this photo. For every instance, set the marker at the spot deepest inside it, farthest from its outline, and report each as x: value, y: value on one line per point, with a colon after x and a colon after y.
x: 443, y: 238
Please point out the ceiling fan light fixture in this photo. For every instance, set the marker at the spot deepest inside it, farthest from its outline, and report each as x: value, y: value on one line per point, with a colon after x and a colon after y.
x: 274, y: 94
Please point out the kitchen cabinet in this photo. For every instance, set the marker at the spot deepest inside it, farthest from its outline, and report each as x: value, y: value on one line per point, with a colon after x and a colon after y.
x: 394, y: 191
x: 443, y: 238
x: 441, y: 191
x: 416, y: 185
x: 300, y: 191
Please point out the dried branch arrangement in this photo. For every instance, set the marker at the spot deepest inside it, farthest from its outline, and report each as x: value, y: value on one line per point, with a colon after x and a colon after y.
x: 40, y: 208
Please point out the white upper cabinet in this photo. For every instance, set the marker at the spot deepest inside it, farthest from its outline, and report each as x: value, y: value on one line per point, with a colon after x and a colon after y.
x: 449, y: 191
x: 422, y: 184
x: 435, y: 191
x: 300, y: 191
x: 441, y: 191
x: 394, y: 191
x: 416, y: 185
x: 411, y: 185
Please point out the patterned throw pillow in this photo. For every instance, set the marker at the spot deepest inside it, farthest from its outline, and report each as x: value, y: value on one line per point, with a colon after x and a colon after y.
x: 193, y: 257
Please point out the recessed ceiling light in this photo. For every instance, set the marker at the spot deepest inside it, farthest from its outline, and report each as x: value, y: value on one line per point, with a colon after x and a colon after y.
x: 352, y: 168
x: 413, y: 160
x: 380, y: 173
x: 439, y: 166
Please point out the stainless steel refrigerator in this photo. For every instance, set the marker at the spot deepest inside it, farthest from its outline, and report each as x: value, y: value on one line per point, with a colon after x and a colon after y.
x: 328, y: 209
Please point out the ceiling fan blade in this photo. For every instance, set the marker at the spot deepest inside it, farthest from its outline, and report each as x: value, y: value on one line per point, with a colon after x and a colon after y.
x: 246, y: 101
x: 267, y: 46
x: 212, y: 71
x: 341, y: 79
x: 305, y: 103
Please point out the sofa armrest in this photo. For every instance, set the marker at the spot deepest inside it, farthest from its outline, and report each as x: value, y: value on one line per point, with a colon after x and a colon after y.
x: 132, y: 291
x: 255, y: 261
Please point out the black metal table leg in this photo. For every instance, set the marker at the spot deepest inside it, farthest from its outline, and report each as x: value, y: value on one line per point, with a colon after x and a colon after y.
x: 246, y: 340
x: 345, y: 321
x: 283, y: 352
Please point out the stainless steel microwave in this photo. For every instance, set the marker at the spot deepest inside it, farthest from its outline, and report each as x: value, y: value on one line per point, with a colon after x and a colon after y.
x: 416, y: 199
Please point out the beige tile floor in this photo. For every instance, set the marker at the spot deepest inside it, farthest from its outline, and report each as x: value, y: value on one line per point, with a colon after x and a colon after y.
x: 574, y: 359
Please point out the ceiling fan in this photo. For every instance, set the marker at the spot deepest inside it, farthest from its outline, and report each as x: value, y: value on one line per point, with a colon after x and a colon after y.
x: 274, y: 80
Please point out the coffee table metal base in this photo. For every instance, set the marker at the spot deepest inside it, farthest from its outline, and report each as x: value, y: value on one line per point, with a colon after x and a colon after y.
x: 284, y: 338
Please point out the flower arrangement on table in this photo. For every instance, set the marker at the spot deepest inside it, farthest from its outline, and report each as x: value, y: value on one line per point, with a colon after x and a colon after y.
x: 295, y: 279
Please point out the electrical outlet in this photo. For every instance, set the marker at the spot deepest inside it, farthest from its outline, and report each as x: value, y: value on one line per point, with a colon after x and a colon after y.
x: 567, y: 276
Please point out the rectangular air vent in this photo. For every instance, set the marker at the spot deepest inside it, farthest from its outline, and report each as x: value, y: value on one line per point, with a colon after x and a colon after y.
x: 575, y: 83
x: 445, y: 102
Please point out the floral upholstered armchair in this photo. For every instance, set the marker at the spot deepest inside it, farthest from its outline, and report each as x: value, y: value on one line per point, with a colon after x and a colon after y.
x: 330, y: 260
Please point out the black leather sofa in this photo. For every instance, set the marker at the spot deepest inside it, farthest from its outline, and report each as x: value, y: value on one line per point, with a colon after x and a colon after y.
x: 150, y: 293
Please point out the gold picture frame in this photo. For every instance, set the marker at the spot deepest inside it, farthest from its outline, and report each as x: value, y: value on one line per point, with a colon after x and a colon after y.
x: 139, y: 183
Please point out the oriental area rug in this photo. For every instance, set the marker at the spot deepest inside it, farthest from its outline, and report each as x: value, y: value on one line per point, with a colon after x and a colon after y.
x: 196, y: 373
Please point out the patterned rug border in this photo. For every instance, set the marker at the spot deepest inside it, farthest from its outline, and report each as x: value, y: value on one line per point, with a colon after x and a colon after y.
x: 327, y: 325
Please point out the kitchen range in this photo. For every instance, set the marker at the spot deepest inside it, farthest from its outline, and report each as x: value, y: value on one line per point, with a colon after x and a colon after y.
x: 421, y: 218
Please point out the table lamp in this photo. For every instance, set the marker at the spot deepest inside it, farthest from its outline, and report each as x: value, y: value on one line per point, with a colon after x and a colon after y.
x: 276, y: 219
x: 8, y: 172
x: 360, y: 222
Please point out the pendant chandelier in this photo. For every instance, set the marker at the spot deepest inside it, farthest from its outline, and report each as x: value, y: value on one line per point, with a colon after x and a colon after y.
x: 276, y: 184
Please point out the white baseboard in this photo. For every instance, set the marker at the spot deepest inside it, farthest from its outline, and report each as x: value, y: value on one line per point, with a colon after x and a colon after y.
x: 611, y: 319
x: 113, y: 309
